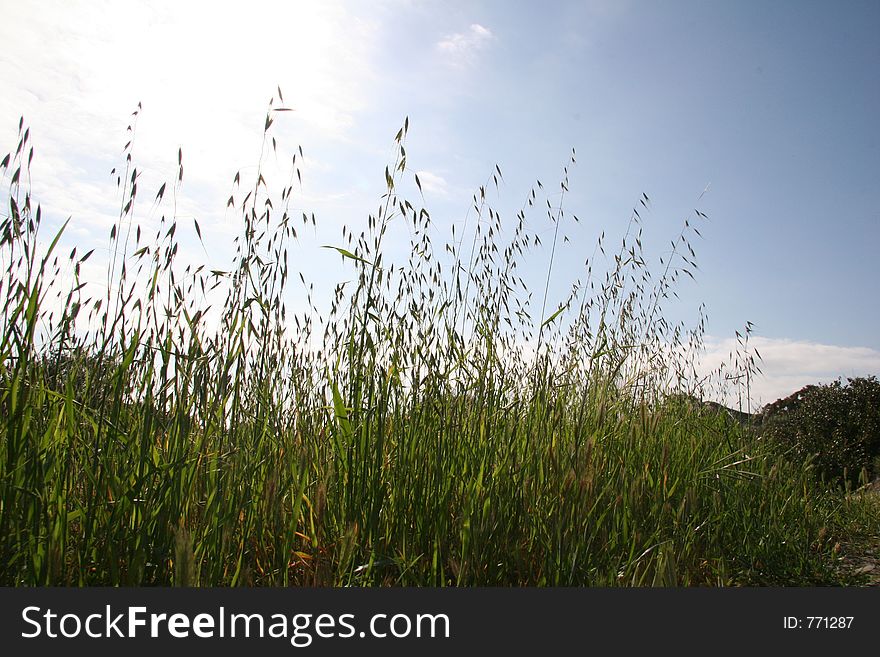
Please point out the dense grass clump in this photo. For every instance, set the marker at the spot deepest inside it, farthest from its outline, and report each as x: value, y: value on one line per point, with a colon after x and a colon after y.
x: 428, y: 427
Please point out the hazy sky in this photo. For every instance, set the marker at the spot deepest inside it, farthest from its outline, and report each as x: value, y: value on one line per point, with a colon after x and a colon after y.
x: 772, y: 105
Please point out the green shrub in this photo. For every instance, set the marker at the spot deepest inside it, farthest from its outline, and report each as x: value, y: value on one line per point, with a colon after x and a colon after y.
x: 837, y: 425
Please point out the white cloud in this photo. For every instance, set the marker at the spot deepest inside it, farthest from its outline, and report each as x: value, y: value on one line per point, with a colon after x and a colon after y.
x: 433, y: 184
x: 461, y: 46
x: 204, y: 72
x: 788, y: 365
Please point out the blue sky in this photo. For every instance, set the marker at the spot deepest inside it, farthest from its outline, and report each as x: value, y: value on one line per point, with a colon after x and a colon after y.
x: 772, y: 105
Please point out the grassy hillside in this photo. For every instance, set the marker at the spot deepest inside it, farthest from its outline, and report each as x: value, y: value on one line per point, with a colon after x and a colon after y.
x: 444, y: 431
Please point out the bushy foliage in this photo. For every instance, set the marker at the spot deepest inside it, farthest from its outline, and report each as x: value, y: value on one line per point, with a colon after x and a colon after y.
x: 837, y: 425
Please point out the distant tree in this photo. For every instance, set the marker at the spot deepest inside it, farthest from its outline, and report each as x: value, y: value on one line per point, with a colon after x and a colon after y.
x: 838, y: 425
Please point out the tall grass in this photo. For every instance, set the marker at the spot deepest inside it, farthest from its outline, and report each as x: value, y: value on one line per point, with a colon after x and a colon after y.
x: 425, y: 426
